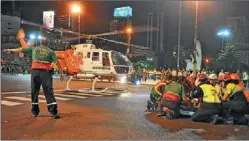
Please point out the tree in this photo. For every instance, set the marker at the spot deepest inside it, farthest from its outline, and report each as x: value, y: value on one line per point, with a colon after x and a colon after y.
x: 228, y: 58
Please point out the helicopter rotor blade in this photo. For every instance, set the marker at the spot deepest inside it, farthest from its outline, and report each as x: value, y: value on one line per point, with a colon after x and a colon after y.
x: 137, y: 29
x: 125, y: 44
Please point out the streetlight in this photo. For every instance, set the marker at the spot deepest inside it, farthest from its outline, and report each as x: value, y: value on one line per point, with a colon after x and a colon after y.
x: 195, y: 40
x: 32, y: 36
x: 39, y: 37
x: 76, y: 9
x: 179, y: 36
x: 35, y: 38
x: 223, y: 33
x: 150, y: 59
x: 129, y: 32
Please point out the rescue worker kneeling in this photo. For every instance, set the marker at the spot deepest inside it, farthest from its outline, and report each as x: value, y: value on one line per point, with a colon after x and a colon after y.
x: 172, y: 98
x: 211, y: 105
x: 155, y: 95
x: 235, y: 103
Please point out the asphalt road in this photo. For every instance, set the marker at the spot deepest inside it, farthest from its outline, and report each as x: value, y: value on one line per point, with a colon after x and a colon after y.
x: 84, y: 116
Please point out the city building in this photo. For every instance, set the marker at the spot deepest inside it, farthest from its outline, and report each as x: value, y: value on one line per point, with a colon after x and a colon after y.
x: 122, y: 18
x: 9, y: 27
x: 240, y: 28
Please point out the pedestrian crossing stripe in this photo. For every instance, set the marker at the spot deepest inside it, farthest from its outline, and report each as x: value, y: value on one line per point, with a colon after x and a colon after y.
x: 22, y: 98
x: 71, y: 96
x: 9, y: 103
x: 59, y: 98
x: 82, y: 94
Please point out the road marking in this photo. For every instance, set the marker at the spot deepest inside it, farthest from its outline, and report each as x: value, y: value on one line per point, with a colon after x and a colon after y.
x: 72, y: 96
x: 22, y: 98
x: 104, y: 94
x: 59, y: 98
x: 71, y: 93
x: 23, y: 92
x: 9, y: 103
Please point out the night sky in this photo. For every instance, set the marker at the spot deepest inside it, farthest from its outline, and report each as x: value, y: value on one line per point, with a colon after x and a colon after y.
x: 96, y: 16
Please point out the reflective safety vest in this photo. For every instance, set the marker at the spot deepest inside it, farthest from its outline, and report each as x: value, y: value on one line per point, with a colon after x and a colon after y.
x: 211, y: 94
x: 174, y: 92
x: 42, y: 54
x: 245, y: 91
x: 156, y: 90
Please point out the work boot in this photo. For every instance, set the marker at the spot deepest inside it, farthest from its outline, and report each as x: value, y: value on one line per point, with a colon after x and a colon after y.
x: 35, y: 110
x: 229, y: 121
x: 54, y: 116
x: 160, y: 114
x: 214, y: 119
x: 169, y: 114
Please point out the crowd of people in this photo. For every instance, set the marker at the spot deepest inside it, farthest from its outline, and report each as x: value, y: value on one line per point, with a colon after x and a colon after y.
x: 214, y: 98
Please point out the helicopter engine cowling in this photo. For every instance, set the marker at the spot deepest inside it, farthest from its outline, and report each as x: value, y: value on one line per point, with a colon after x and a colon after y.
x: 70, y: 63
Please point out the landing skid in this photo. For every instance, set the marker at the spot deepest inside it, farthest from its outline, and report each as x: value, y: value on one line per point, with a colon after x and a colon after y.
x: 92, y: 90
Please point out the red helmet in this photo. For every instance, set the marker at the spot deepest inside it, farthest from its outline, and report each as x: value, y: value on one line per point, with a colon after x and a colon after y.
x: 227, y: 77
x: 202, y: 76
x: 235, y: 76
x: 191, y: 79
x: 221, y: 77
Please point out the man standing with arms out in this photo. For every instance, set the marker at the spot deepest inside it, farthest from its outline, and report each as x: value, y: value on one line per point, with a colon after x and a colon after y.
x: 41, y: 74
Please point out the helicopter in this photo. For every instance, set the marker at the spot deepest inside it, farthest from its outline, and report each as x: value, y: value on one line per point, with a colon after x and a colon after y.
x: 86, y: 61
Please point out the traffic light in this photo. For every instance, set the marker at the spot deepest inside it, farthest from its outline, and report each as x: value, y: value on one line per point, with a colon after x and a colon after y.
x: 207, y: 61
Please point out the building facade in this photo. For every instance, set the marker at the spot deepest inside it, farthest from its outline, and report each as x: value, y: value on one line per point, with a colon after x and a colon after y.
x: 240, y: 28
x: 9, y: 27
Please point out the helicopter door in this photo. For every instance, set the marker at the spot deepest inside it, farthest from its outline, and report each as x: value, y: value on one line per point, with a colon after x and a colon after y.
x: 105, y: 59
x: 87, y: 62
x: 96, y: 62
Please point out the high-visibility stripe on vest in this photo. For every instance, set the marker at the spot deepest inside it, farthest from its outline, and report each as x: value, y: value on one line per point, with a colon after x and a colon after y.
x: 245, y: 91
x: 211, y: 94
x: 156, y: 90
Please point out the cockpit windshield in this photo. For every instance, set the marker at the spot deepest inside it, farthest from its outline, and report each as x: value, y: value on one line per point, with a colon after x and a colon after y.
x: 120, y: 59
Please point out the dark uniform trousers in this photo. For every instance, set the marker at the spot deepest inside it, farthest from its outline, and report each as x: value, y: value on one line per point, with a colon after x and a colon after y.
x: 173, y: 106
x: 153, y: 100
x: 42, y: 77
x: 206, y: 112
x: 236, y: 107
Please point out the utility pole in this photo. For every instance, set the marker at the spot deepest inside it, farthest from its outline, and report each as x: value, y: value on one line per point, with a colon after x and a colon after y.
x: 179, y: 36
x: 195, y: 41
x: 79, y: 29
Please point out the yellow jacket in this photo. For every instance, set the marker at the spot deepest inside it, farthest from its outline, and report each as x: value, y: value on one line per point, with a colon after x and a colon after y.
x: 211, y: 94
x: 230, y: 90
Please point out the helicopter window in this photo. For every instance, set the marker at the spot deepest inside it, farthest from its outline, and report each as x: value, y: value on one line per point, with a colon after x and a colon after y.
x: 119, y: 59
x: 95, y: 56
x: 105, y: 59
x: 88, y: 55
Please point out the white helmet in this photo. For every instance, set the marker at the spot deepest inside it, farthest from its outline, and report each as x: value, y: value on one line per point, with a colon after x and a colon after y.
x: 179, y: 74
x: 212, y: 76
x: 174, y: 73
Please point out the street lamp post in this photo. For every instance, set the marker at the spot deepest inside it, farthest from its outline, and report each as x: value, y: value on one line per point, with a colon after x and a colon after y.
x: 129, y: 31
x: 76, y: 9
x: 179, y: 36
x: 195, y: 40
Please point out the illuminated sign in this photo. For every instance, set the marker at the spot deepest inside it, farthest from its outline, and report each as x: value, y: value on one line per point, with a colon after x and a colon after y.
x: 123, y: 12
x: 48, y: 19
